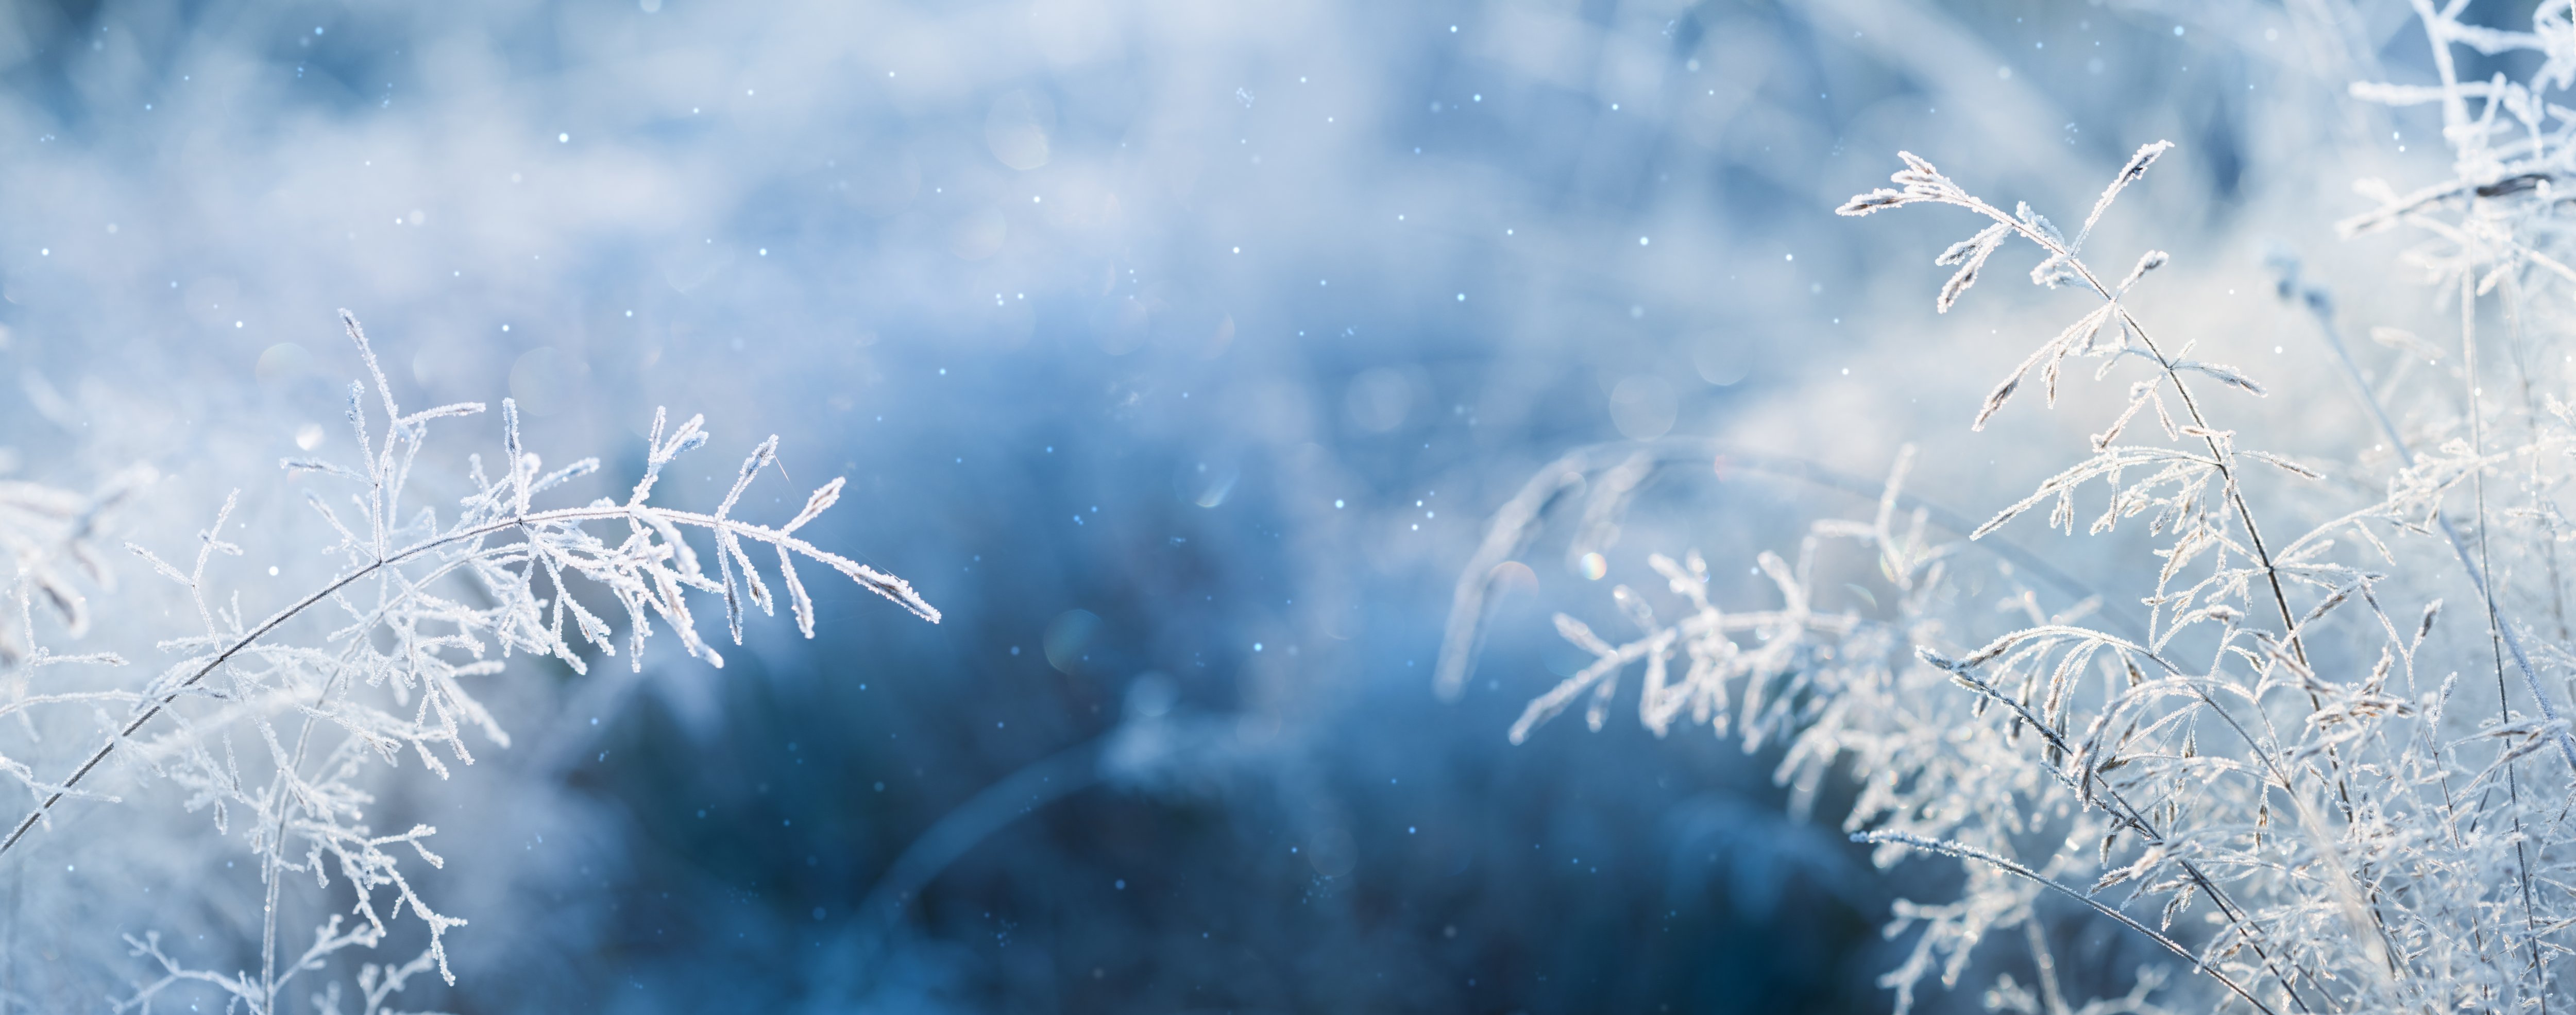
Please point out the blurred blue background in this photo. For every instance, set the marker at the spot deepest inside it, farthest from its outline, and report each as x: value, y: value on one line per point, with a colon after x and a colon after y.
x: 1178, y: 351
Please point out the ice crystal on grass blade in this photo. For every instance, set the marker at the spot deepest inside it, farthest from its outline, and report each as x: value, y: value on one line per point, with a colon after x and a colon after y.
x: 2260, y: 749
x: 273, y: 723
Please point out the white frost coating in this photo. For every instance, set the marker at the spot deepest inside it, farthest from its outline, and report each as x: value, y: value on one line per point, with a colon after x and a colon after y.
x: 2287, y: 774
x: 376, y: 662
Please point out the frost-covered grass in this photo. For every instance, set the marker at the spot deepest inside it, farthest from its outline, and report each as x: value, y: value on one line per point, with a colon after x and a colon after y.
x: 2309, y: 739
x: 282, y: 728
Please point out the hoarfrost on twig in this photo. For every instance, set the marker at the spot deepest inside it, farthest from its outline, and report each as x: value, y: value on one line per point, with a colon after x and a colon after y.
x: 380, y: 660
x: 2285, y: 776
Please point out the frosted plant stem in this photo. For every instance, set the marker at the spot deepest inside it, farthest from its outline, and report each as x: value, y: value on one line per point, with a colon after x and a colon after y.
x: 2010, y: 866
x: 273, y: 878
x: 2495, y: 622
x: 2191, y: 407
x: 579, y: 514
x: 2449, y: 809
x: 2531, y: 414
x: 2218, y: 454
x: 2455, y: 118
x: 276, y: 858
x: 1921, y: 183
x: 1518, y: 521
x: 2502, y: 636
x: 495, y: 573
x: 2136, y: 819
x: 2235, y: 498
x: 273, y: 874
x: 2321, y: 309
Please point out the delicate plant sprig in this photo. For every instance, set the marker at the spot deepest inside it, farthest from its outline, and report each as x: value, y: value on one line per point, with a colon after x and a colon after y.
x: 422, y: 607
x: 2179, y: 491
x: 2275, y: 749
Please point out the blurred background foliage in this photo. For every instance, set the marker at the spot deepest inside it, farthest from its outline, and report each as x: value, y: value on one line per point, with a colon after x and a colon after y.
x: 1177, y: 351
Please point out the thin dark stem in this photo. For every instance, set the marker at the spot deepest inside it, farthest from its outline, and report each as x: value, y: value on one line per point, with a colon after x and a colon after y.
x: 2010, y: 866
x: 2222, y: 462
x: 2191, y: 407
x: 2502, y: 636
x: 2130, y: 814
x: 2321, y: 309
x: 2495, y: 621
x: 540, y: 518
